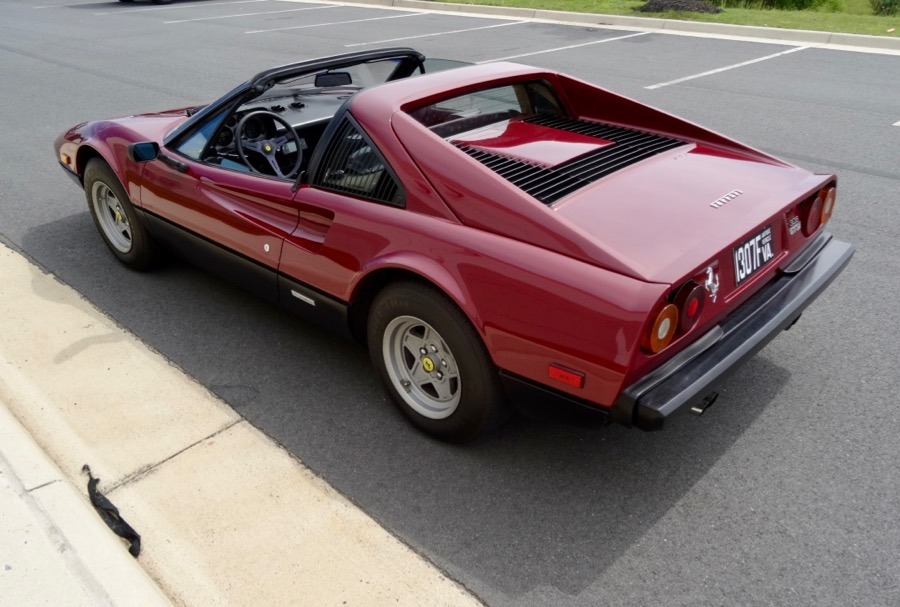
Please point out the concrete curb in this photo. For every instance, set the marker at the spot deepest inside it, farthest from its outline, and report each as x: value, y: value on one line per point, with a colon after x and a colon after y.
x: 99, y: 566
x: 857, y: 42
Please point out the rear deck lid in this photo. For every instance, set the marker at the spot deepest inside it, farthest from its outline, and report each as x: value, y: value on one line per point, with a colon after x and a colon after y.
x: 666, y: 216
x: 658, y: 205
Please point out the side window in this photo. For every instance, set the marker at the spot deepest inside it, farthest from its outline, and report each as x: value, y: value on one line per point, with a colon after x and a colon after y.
x: 351, y: 165
x: 193, y: 146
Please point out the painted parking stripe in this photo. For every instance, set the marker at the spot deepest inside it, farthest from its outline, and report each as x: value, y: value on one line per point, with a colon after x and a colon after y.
x: 176, y: 7
x: 897, y: 123
x: 726, y: 68
x: 60, y: 5
x: 564, y: 48
x: 470, y: 29
x: 289, y: 10
x: 301, y: 27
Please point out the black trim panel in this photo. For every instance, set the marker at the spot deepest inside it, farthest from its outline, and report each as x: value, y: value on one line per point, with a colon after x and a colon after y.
x: 313, y: 305
x: 214, y: 258
x: 651, y: 400
x: 325, y: 310
x: 533, y: 398
x: 75, y: 176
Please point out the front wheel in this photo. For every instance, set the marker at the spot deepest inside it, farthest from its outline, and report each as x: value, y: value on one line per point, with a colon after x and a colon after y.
x: 434, y: 364
x: 115, y: 217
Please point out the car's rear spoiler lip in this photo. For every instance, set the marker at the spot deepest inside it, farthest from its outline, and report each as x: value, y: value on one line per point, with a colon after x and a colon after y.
x: 694, y: 374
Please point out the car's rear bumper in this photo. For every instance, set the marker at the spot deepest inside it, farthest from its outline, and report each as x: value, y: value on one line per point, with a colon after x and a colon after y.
x: 693, y: 374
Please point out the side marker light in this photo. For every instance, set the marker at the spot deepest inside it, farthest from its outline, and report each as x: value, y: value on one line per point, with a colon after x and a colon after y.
x: 567, y: 376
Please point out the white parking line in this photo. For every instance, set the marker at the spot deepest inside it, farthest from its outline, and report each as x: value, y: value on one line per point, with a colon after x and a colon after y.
x: 290, y: 10
x: 470, y: 29
x: 301, y: 27
x: 60, y: 5
x: 897, y: 123
x: 726, y: 68
x: 175, y: 7
x: 563, y: 48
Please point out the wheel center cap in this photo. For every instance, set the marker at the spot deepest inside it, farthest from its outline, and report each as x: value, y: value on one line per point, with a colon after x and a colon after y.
x: 428, y: 364
x: 268, y: 148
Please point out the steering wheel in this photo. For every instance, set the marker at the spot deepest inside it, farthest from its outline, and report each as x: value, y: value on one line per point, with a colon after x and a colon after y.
x: 270, y: 148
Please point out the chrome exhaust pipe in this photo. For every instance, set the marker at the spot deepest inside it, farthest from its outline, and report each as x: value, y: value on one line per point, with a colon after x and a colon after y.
x: 705, y: 404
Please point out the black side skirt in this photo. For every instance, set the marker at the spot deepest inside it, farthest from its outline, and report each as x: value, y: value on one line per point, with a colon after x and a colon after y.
x: 262, y: 281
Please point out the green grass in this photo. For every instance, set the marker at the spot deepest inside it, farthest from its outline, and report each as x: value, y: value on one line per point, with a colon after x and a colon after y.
x: 851, y: 16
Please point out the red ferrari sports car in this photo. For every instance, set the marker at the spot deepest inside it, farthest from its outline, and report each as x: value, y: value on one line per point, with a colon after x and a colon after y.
x: 494, y: 233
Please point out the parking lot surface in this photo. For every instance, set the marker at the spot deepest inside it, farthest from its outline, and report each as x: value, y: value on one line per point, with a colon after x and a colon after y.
x: 785, y: 493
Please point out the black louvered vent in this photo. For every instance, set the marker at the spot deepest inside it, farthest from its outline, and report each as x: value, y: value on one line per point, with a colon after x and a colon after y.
x: 352, y: 166
x: 550, y: 184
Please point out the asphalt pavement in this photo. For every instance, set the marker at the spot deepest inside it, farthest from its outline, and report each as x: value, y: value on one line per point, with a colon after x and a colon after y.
x: 785, y: 493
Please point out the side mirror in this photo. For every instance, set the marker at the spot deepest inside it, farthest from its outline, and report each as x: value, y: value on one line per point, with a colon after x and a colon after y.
x: 144, y: 151
x: 327, y: 79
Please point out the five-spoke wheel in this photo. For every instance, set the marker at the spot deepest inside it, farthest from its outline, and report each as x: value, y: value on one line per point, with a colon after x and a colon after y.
x: 115, y: 217
x: 111, y: 216
x: 421, y: 367
x: 433, y: 362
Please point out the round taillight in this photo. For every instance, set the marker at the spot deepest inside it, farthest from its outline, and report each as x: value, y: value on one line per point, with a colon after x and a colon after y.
x: 813, y: 218
x: 689, y: 301
x: 663, y: 329
x: 829, y: 197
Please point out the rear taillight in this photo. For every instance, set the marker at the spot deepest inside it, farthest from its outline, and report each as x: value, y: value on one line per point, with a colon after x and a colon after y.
x: 828, y: 198
x: 817, y: 209
x: 677, y: 315
x: 662, y: 330
x: 689, y: 301
x: 812, y: 218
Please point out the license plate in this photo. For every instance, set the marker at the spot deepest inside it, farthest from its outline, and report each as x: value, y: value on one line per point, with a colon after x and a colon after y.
x: 751, y: 256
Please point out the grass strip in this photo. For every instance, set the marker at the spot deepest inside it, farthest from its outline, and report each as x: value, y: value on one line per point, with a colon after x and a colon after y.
x: 847, y: 16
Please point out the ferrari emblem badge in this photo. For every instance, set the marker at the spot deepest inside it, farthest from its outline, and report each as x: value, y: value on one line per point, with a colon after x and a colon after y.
x: 721, y: 202
x: 712, y: 283
x: 428, y: 364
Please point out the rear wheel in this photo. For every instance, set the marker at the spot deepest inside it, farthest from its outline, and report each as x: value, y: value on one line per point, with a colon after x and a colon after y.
x: 434, y: 364
x: 115, y: 217
x: 162, y: 1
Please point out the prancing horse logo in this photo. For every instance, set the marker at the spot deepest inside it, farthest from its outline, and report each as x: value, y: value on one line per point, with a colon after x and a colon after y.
x: 712, y: 283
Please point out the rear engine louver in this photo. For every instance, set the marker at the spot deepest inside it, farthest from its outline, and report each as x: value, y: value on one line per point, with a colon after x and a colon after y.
x: 548, y: 185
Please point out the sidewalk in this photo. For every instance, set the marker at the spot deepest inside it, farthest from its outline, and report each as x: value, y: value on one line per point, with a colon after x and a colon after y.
x: 53, y: 549
x: 226, y: 517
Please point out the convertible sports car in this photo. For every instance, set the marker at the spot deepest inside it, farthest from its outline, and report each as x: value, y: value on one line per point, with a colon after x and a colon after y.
x: 494, y: 233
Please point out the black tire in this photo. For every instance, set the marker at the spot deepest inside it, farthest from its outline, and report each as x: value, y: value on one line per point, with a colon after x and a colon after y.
x: 129, y: 1
x: 433, y: 363
x: 162, y: 1
x: 115, y: 218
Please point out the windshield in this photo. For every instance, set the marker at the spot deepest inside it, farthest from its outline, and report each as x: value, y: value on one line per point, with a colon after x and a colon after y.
x: 352, y: 78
